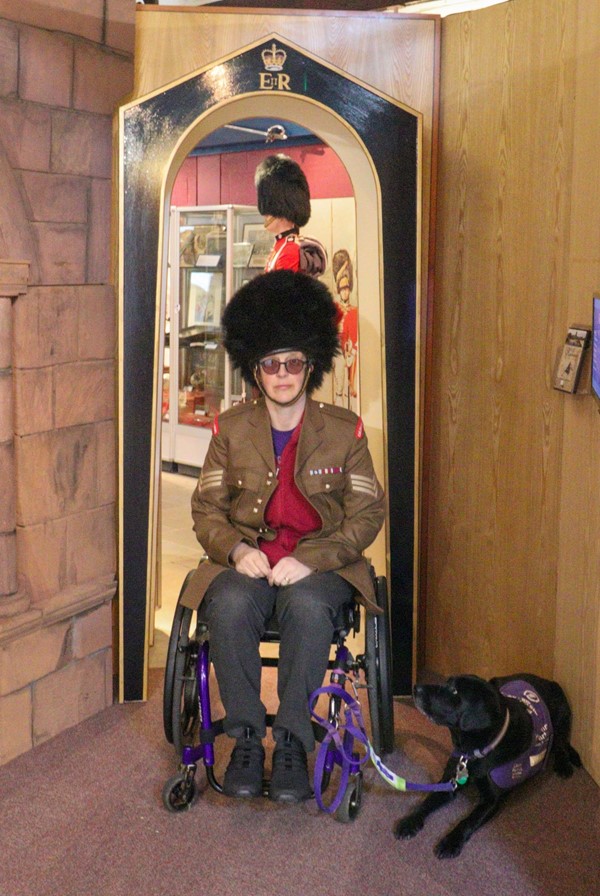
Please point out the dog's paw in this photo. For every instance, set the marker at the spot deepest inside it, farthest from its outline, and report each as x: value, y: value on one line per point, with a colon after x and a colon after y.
x: 405, y: 828
x: 449, y: 846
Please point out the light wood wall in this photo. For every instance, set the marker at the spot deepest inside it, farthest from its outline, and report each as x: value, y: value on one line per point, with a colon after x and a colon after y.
x: 513, y: 566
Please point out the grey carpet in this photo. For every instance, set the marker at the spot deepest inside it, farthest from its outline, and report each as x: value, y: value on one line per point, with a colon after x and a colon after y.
x: 82, y: 816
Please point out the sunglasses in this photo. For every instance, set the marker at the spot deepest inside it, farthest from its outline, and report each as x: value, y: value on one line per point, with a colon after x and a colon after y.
x: 271, y: 366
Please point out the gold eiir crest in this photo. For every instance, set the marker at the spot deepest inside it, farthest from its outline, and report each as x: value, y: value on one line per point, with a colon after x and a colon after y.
x: 274, y: 58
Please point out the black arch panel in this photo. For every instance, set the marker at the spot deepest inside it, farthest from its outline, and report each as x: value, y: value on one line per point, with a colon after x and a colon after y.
x: 151, y: 130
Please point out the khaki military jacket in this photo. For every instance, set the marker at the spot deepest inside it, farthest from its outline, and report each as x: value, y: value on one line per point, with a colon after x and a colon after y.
x: 334, y: 471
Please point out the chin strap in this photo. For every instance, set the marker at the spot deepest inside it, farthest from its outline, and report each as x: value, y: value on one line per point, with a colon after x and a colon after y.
x: 284, y: 404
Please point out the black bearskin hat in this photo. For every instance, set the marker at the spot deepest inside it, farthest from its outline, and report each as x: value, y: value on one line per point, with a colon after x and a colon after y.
x: 342, y: 270
x: 282, y: 189
x: 277, y: 311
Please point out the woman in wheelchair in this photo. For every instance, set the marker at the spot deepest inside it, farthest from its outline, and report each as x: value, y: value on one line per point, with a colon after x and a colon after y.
x: 285, y: 505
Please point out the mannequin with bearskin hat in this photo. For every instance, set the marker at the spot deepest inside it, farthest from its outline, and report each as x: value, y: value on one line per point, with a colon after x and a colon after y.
x: 286, y: 503
x: 283, y: 198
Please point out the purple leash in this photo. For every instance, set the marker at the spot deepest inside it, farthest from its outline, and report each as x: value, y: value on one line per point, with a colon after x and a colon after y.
x: 337, y: 744
x: 337, y: 748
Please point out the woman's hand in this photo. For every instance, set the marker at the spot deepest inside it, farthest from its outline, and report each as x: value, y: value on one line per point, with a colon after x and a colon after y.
x: 250, y: 561
x: 287, y: 571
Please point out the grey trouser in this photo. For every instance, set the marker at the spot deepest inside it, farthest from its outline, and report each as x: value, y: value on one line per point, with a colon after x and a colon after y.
x: 237, y: 609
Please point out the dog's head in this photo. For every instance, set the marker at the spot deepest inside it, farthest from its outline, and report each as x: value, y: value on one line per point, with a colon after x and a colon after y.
x: 464, y: 703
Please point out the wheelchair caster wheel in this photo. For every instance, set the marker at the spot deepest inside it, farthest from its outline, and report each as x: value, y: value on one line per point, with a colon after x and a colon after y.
x: 349, y: 808
x: 179, y: 792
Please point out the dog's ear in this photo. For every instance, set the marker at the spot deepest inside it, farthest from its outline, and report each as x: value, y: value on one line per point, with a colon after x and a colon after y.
x: 451, y: 685
x: 475, y: 718
x: 481, y: 705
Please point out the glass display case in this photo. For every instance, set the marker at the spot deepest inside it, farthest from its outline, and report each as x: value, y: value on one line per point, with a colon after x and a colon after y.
x: 212, y: 252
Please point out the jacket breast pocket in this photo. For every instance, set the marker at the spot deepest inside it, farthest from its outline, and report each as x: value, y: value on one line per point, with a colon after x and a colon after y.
x: 326, y: 484
x: 240, y: 479
x: 246, y: 502
x: 326, y: 493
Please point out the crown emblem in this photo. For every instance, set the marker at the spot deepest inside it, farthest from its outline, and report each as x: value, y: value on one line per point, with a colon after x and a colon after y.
x: 274, y: 58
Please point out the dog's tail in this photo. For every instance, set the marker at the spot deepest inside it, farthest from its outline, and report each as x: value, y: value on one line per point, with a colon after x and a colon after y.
x: 565, y: 758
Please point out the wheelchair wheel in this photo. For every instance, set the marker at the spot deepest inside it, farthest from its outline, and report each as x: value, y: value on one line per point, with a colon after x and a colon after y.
x: 169, y: 682
x: 180, y: 696
x: 378, y: 674
x: 185, y: 712
x: 179, y: 792
x: 349, y: 808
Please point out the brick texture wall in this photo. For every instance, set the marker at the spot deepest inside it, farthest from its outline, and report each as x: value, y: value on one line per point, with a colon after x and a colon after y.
x: 64, y: 67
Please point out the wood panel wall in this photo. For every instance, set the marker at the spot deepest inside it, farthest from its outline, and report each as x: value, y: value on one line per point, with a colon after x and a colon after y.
x: 513, y: 566
x: 577, y: 658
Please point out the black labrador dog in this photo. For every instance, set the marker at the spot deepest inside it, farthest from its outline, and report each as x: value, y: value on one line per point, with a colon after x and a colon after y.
x: 503, y: 731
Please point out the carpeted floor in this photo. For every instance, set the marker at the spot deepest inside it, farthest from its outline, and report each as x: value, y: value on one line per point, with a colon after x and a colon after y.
x: 82, y: 816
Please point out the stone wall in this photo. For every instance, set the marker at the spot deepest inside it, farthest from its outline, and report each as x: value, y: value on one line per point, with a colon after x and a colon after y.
x: 58, y: 91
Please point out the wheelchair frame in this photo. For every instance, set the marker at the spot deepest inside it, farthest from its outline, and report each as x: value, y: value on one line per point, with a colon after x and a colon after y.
x: 187, y: 717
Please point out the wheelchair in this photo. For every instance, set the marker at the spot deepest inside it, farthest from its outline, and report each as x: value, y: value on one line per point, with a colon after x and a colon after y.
x: 188, y: 722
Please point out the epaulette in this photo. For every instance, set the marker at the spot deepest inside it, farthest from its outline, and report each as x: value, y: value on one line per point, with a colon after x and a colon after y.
x: 348, y: 416
x: 334, y: 410
x: 244, y: 407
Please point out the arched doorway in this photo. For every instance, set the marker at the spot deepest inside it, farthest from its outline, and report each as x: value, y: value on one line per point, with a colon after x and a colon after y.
x: 214, y: 199
x: 377, y: 140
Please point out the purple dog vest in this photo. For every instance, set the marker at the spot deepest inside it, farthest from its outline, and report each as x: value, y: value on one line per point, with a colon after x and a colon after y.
x: 535, y: 758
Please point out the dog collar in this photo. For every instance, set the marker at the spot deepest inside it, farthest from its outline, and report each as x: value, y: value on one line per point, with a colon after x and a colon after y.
x: 461, y: 775
x: 484, y: 751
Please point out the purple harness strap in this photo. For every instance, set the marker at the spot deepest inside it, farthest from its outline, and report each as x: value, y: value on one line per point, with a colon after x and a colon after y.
x: 337, y: 749
x: 535, y: 758
x: 339, y: 739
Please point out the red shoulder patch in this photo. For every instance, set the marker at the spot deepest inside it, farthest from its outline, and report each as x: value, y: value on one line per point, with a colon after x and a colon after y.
x: 215, y: 426
x: 360, y: 429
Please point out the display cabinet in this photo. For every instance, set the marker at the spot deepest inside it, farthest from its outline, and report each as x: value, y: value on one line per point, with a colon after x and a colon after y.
x: 212, y: 252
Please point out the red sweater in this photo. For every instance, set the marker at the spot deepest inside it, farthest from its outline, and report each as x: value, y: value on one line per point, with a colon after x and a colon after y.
x: 288, y: 511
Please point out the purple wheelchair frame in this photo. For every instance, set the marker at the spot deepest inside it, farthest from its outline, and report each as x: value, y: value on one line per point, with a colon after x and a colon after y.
x: 187, y: 707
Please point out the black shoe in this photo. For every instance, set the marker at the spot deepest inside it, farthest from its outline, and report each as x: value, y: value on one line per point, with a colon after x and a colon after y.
x: 244, y: 774
x: 289, y: 778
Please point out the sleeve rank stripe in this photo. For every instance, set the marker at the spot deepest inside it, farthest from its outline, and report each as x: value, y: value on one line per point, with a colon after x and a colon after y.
x: 356, y: 477
x: 211, y: 480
